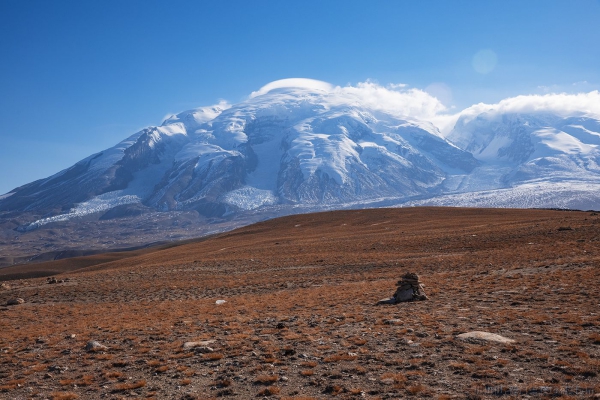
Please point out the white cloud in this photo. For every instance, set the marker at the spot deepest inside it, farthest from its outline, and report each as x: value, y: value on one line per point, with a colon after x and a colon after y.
x: 562, y: 104
x: 411, y: 103
x: 303, y: 83
x: 393, y: 99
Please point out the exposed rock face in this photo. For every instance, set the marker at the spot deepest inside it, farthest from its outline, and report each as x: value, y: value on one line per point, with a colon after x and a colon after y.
x: 409, y: 289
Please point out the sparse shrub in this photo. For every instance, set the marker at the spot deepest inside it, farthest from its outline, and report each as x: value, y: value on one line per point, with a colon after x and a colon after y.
x: 162, y: 368
x: 85, y: 380
x: 266, y: 379
x: 358, y: 341
x: 340, y: 357
x: 125, y: 387
x: 114, y: 375
x: 63, y: 396
x: 396, y: 379
x: 213, y: 356
x: 153, y: 363
x: 310, y: 364
x: 416, y: 389
x: 333, y: 389
x: 269, y: 391
x: 222, y: 383
x: 458, y: 366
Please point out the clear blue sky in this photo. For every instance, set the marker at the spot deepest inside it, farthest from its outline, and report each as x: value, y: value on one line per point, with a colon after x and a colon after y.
x: 77, y: 77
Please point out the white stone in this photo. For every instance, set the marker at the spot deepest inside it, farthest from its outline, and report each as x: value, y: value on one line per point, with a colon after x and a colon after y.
x: 485, y: 336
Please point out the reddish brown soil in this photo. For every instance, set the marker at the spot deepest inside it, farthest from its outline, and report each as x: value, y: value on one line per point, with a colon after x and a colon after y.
x: 300, y: 321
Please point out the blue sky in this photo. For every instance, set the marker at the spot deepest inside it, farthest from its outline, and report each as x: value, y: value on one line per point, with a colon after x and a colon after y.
x: 77, y: 77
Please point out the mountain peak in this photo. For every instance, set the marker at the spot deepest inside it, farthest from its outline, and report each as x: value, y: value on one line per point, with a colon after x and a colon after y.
x: 305, y: 143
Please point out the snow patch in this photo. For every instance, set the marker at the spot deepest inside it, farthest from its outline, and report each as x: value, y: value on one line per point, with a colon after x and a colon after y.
x: 4, y: 196
x: 559, y: 142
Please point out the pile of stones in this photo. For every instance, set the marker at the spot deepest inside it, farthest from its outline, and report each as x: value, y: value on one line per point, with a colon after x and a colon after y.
x: 409, y: 289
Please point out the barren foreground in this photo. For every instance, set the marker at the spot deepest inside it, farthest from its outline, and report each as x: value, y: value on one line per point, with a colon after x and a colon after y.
x: 299, y: 319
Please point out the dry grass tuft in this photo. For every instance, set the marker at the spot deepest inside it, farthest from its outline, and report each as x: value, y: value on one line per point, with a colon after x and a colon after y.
x: 63, y: 396
x: 125, y: 387
x: 266, y: 379
x: 269, y: 391
x: 213, y: 356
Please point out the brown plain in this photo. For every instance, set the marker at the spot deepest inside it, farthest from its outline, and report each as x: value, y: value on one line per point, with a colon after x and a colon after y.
x: 300, y: 321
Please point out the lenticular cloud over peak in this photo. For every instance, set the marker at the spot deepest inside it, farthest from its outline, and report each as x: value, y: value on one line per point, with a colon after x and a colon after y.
x: 301, y: 83
x: 394, y: 99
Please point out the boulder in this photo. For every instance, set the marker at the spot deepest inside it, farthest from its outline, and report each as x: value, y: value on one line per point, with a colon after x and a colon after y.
x: 409, y: 289
x: 481, y: 336
x: 195, y: 345
x: 93, y: 346
x: 14, y: 302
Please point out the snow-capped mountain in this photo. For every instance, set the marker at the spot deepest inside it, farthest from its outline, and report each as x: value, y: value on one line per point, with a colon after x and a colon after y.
x: 303, y: 142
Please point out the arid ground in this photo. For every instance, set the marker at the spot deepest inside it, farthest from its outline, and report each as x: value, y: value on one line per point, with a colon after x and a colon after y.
x: 299, y: 318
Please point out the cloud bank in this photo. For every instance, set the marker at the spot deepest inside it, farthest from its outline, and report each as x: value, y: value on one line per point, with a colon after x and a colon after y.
x: 413, y: 103
x: 562, y: 104
x: 395, y: 99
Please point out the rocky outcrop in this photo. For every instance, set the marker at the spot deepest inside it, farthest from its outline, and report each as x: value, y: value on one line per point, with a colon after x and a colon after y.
x: 409, y: 289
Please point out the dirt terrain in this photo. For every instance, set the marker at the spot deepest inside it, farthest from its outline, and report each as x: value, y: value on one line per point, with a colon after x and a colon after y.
x: 299, y: 319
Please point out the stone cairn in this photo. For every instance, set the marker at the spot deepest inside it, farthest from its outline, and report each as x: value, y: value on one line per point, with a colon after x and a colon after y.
x: 409, y: 289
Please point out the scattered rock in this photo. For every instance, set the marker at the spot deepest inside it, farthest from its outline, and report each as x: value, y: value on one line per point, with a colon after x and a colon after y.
x: 4, y: 286
x: 476, y: 336
x: 193, y: 345
x: 51, y: 281
x: 203, y: 349
x: 93, y: 346
x: 57, y: 368
x: 393, y: 322
x: 14, y: 302
x: 219, y: 302
x: 409, y: 289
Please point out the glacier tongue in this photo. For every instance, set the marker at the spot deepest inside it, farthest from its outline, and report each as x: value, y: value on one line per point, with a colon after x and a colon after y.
x: 250, y: 198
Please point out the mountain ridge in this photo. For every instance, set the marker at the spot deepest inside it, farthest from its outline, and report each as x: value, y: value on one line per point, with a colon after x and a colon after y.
x: 306, y: 145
